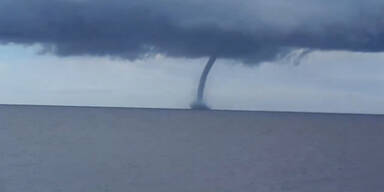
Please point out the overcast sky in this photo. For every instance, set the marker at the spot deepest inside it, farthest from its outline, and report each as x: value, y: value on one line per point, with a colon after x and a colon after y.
x: 150, y: 53
x: 324, y: 82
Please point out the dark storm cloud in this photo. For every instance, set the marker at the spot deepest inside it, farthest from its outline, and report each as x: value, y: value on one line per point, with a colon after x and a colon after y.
x: 247, y: 30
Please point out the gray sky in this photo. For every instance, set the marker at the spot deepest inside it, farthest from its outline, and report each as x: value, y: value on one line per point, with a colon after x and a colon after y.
x: 333, y: 81
x: 150, y: 53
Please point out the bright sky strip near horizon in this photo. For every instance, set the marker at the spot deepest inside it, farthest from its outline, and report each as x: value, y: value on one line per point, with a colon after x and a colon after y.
x: 334, y: 81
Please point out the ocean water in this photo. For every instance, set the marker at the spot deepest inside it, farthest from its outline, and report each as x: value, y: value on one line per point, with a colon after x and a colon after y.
x: 87, y: 149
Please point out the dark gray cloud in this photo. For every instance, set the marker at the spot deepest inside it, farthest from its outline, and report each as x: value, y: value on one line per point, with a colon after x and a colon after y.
x: 247, y: 30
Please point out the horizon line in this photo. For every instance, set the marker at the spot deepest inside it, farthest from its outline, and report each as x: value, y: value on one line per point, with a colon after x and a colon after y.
x: 188, y: 109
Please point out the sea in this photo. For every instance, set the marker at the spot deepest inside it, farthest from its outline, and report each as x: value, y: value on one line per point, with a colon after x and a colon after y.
x: 101, y: 149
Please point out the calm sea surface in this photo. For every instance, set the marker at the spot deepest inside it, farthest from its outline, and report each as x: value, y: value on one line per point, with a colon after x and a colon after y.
x: 87, y: 149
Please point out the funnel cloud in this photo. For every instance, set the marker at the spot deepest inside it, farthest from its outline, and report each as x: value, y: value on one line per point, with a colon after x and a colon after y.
x: 251, y: 31
x: 199, y: 103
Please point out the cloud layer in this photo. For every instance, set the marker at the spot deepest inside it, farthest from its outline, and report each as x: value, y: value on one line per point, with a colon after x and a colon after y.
x: 246, y: 30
